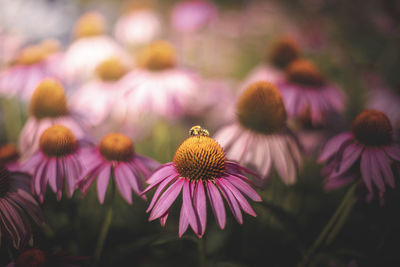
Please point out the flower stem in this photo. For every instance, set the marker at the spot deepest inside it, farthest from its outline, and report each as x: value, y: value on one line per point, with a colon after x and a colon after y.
x: 334, y: 224
x: 106, y: 225
x: 202, y: 252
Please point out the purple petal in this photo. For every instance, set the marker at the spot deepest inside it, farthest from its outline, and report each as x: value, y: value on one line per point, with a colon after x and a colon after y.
x: 350, y: 155
x: 366, y: 172
x: 188, y: 207
x: 393, y: 152
x: 374, y: 169
x: 162, y: 172
x: 217, y: 204
x: 163, y: 219
x: 232, y: 202
x: 166, y: 199
x: 244, y: 204
x: 160, y: 188
x: 60, y: 177
x: 183, y: 220
x: 199, y: 201
x: 244, y: 188
x: 333, y: 146
x: 123, y: 187
x: 384, y: 165
x: 51, y: 174
x: 102, y: 183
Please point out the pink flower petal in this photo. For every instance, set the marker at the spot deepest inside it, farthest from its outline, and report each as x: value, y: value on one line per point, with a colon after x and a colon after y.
x: 188, y: 207
x: 217, y: 204
x: 102, y: 183
x: 244, y: 188
x: 333, y: 146
x: 232, y: 202
x: 199, y: 201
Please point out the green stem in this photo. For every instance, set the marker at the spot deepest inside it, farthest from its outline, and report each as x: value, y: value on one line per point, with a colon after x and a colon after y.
x: 106, y: 224
x: 340, y: 216
x: 202, y: 252
x: 12, y: 118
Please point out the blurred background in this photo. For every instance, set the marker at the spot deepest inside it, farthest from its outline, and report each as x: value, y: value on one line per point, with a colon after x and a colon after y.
x: 355, y: 44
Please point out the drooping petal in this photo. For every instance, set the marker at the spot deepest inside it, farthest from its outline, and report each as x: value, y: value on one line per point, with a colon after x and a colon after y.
x: 244, y: 188
x: 217, y: 204
x: 102, y: 183
x: 243, y: 203
x: 393, y: 152
x: 188, y: 207
x: 375, y: 169
x: 333, y: 146
x: 199, y: 201
x: 350, y: 155
x: 384, y: 165
x: 162, y: 172
x: 232, y: 202
x: 123, y: 187
x: 160, y: 189
x: 166, y: 200
x: 366, y: 173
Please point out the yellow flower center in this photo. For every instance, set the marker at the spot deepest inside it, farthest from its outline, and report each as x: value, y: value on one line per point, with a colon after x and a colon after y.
x: 116, y: 147
x: 57, y: 141
x: 50, y: 46
x: 90, y: 24
x: 8, y: 152
x: 304, y: 72
x: 111, y: 69
x: 31, y: 55
x: 32, y: 257
x: 4, y: 181
x: 260, y: 108
x: 48, y: 100
x: 283, y: 52
x: 159, y: 55
x: 200, y: 157
x: 372, y: 127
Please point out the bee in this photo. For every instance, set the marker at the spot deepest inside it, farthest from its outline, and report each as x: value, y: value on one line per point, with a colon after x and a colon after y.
x: 198, y: 131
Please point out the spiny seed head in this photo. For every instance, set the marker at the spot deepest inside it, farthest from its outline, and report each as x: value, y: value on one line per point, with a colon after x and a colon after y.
x: 90, y: 24
x: 372, y: 127
x: 260, y: 108
x: 111, y: 69
x: 57, y: 141
x: 116, y: 147
x: 4, y: 181
x: 48, y: 100
x: 31, y: 55
x: 159, y: 55
x: 32, y: 258
x: 8, y: 152
x: 200, y: 157
x: 304, y: 72
x: 283, y: 51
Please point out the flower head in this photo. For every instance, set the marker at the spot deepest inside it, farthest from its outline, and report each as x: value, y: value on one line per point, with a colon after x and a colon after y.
x: 16, y: 203
x: 159, y: 55
x: 111, y: 69
x: 260, y: 136
x: 283, y: 51
x: 48, y: 106
x: 56, y: 161
x: 115, y: 157
x: 307, y: 95
x: 199, y: 166
x: 90, y: 24
x: 369, y: 149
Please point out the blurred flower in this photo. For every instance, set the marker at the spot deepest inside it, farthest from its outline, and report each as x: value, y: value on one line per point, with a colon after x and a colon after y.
x: 10, y: 44
x: 190, y: 16
x: 387, y: 101
x: 35, y: 257
x: 33, y: 64
x: 90, y: 48
x: 368, y: 150
x: 48, y: 106
x: 308, y: 96
x: 115, y: 157
x: 98, y: 97
x: 9, y: 157
x: 199, y: 164
x: 137, y: 27
x: 260, y: 137
x: 56, y: 160
x: 281, y: 54
x: 15, y: 202
x: 158, y: 88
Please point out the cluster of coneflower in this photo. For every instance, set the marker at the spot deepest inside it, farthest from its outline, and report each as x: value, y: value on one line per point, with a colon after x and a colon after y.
x: 74, y: 142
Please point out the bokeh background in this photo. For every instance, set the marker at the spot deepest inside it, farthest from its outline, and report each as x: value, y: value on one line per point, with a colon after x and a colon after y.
x: 356, y: 44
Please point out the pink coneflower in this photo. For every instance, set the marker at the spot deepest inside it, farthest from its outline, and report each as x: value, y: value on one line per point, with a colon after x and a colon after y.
x: 200, y: 166
x: 10, y: 44
x: 115, y: 157
x: 307, y: 94
x: 282, y: 52
x: 35, y: 257
x: 57, y: 160
x: 190, y: 16
x: 9, y: 157
x: 158, y: 88
x: 369, y: 150
x: 104, y: 90
x: 260, y: 137
x: 15, y: 203
x: 48, y: 106
x: 33, y: 64
x: 138, y: 26
x: 90, y: 48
